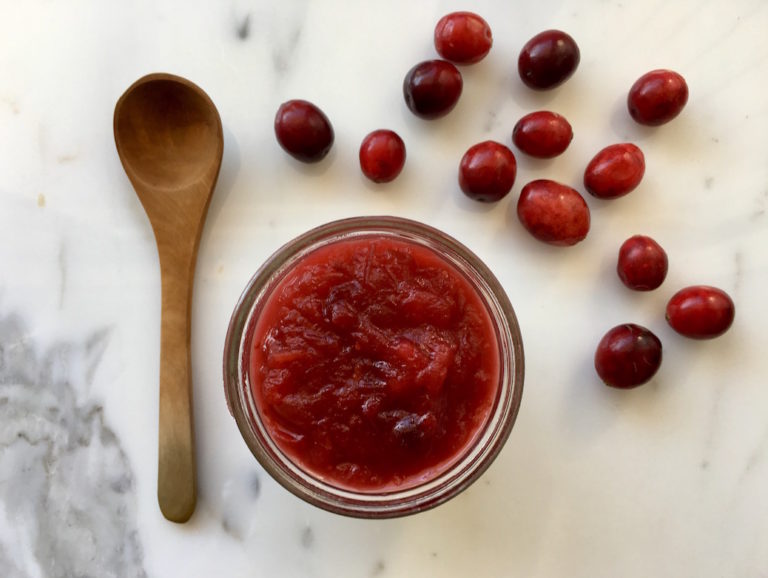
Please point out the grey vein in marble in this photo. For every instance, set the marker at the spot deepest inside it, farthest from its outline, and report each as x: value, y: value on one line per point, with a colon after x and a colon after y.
x: 283, y: 52
x: 243, y: 28
x: 307, y: 537
x: 62, y: 262
x: 761, y: 202
x: 738, y: 276
x: 756, y: 457
x: 240, y: 495
x: 66, y: 488
x: 285, y: 39
x: 378, y: 568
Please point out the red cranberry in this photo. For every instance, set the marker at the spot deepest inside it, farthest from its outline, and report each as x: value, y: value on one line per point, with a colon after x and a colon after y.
x: 627, y: 356
x: 615, y: 171
x: 700, y: 312
x: 463, y: 37
x: 303, y: 131
x: 487, y: 171
x: 548, y: 59
x: 382, y: 156
x: 553, y: 213
x: 432, y: 88
x: 542, y: 134
x: 657, y: 97
x: 642, y: 263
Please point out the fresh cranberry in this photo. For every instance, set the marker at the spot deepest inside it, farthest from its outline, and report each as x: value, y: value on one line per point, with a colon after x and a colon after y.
x: 553, y: 213
x: 657, y: 97
x: 542, y: 134
x: 615, y: 171
x: 627, y: 356
x: 463, y: 37
x: 303, y: 131
x: 642, y: 263
x: 382, y: 156
x: 487, y: 171
x: 700, y: 312
x: 432, y: 88
x: 548, y: 59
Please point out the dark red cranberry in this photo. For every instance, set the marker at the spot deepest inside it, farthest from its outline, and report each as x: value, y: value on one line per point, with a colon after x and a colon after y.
x: 615, y: 171
x: 303, y: 131
x: 642, y: 263
x: 700, y: 312
x: 548, y: 59
x: 657, y: 97
x: 627, y: 356
x: 463, y: 37
x: 432, y: 88
x: 487, y: 171
x: 542, y: 134
x: 382, y: 156
x: 553, y: 213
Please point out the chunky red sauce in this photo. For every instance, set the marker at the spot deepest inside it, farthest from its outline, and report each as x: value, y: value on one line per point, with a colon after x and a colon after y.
x: 374, y: 364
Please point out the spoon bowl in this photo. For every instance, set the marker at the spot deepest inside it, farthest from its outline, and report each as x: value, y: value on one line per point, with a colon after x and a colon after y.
x: 167, y: 134
x: 169, y: 139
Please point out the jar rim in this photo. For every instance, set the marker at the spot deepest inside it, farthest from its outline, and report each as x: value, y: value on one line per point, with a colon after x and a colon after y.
x: 395, y: 502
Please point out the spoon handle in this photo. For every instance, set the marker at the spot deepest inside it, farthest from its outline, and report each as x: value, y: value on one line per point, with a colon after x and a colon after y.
x: 177, y: 476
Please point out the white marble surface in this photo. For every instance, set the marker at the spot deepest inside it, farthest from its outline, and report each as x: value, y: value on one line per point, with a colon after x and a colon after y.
x: 670, y: 479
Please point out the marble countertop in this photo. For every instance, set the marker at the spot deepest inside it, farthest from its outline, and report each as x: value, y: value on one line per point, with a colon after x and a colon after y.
x: 670, y: 479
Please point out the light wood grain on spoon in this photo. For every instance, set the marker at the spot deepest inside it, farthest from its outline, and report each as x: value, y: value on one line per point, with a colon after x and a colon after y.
x: 169, y: 138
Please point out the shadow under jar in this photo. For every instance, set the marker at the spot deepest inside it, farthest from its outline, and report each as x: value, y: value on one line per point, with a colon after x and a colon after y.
x: 374, y: 367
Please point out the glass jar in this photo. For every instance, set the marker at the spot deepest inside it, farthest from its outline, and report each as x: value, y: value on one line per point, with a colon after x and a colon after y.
x: 400, y: 501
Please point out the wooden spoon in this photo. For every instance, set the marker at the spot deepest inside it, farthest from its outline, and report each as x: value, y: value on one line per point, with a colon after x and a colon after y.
x: 169, y: 139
